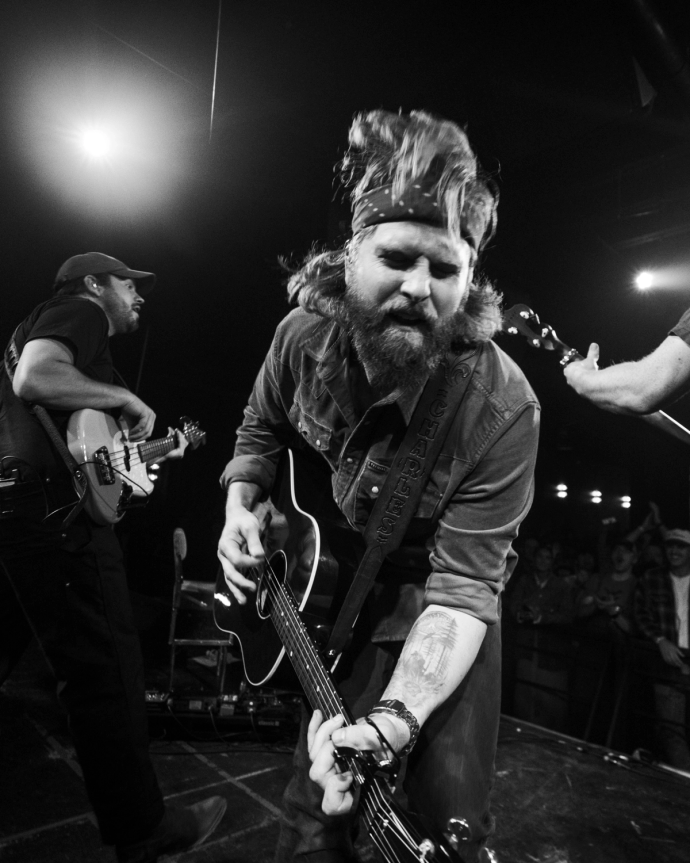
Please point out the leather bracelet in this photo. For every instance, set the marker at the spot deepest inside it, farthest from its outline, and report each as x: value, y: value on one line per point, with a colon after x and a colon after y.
x: 393, y: 707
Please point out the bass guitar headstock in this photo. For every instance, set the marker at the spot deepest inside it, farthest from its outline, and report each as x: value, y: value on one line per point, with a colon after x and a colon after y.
x: 195, y: 436
x: 521, y: 320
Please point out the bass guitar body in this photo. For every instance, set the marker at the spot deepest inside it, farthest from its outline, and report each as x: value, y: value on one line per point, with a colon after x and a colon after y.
x: 100, y: 445
x: 317, y: 556
x: 115, y: 467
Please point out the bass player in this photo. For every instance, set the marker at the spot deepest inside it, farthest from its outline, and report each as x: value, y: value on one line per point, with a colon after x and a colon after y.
x: 61, y: 574
x: 398, y: 304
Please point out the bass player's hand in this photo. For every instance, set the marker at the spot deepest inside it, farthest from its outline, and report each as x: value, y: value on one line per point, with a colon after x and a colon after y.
x: 181, y: 445
x: 140, y: 417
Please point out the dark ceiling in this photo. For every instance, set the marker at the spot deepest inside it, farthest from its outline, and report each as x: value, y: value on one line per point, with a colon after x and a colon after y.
x: 590, y: 148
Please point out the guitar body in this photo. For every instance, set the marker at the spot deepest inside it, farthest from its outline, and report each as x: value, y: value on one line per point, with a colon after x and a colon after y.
x: 116, y: 469
x: 316, y: 558
x: 100, y: 444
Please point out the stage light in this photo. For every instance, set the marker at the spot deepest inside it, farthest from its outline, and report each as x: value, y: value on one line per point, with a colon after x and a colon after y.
x: 644, y: 280
x: 96, y: 143
x: 561, y: 494
x: 562, y: 487
x: 626, y: 498
x: 626, y: 504
x: 595, y: 496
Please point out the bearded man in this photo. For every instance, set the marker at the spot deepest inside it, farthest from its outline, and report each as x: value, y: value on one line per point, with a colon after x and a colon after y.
x: 341, y: 381
x: 62, y: 576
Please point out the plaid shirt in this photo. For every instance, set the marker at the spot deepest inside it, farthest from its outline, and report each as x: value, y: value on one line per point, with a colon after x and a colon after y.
x: 655, y: 606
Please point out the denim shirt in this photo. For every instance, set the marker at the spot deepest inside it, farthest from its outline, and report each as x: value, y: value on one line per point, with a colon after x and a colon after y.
x: 457, y: 550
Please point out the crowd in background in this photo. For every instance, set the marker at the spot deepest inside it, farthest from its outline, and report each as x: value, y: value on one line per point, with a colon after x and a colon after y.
x: 595, y: 640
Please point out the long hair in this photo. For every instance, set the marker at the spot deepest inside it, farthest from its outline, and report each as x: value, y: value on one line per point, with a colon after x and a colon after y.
x: 398, y: 149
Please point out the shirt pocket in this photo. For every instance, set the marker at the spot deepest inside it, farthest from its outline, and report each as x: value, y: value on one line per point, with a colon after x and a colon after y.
x: 315, y: 434
x: 370, y: 485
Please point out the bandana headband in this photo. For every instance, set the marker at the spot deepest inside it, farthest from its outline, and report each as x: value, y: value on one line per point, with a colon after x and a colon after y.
x: 416, y: 204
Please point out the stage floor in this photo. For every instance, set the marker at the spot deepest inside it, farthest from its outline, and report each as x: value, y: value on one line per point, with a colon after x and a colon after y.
x: 556, y: 799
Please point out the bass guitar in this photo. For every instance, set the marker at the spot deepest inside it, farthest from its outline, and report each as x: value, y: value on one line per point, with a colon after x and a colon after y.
x: 294, y: 587
x: 520, y: 319
x: 115, y: 467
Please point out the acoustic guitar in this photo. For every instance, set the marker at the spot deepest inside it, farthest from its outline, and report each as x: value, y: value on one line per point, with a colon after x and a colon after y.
x: 290, y: 615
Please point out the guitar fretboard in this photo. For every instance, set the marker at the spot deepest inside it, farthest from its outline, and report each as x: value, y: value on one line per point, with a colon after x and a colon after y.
x: 150, y: 450
x: 301, y: 652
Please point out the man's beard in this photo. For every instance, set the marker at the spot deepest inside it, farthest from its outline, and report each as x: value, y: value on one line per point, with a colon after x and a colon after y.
x: 122, y: 317
x: 396, y: 356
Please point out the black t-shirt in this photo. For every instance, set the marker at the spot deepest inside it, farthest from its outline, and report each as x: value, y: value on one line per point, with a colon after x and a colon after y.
x: 82, y: 326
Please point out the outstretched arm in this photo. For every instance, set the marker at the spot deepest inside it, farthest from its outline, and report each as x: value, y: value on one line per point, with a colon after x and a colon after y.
x: 639, y: 387
x: 438, y: 653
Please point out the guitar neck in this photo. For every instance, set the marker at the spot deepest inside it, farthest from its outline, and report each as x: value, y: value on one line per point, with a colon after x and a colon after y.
x: 150, y: 450
x: 300, y: 650
x: 521, y: 319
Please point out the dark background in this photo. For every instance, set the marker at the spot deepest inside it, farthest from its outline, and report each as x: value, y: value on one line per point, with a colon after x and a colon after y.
x: 579, y: 109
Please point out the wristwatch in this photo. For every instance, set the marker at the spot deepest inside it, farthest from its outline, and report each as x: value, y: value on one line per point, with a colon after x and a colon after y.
x: 393, y: 707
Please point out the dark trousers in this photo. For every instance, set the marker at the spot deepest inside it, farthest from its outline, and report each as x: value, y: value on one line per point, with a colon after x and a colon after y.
x: 449, y: 772
x: 76, y: 602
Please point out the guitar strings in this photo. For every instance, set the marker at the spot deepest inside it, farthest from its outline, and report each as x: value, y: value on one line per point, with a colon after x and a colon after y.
x: 304, y: 646
x: 119, y: 458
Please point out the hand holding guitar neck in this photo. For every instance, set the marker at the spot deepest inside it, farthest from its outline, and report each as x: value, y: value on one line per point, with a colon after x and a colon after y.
x: 522, y: 320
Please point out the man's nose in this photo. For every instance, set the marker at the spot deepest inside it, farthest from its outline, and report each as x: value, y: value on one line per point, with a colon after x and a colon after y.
x: 417, y: 284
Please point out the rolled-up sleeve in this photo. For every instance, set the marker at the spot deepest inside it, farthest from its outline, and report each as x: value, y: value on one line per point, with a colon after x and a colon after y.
x: 266, y: 429
x: 471, y: 555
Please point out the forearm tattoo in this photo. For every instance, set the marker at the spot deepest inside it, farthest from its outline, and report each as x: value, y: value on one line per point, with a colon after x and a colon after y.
x: 423, y: 666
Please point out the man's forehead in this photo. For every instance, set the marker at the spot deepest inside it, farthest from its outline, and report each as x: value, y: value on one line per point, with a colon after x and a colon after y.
x: 410, y: 234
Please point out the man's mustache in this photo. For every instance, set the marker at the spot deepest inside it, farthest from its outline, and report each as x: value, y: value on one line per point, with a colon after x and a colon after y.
x: 410, y: 311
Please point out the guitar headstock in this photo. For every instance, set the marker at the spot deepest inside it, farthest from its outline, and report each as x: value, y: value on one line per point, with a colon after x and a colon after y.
x: 195, y: 436
x: 520, y: 319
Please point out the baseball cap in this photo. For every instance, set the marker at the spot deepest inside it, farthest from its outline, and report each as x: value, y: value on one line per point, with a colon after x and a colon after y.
x: 92, y: 263
x: 677, y: 534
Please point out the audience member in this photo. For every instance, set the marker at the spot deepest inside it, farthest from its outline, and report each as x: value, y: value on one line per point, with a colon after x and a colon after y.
x: 542, y: 605
x: 661, y: 613
x: 607, y: 597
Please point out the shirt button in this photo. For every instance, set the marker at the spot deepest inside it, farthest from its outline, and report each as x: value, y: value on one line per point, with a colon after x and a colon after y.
x: 374, y: 489
x: 348, y: 460
x: 318, y: 443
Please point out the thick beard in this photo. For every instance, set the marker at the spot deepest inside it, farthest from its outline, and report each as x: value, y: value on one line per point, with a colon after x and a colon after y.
x: 392, y: 357
x: 122, y: 317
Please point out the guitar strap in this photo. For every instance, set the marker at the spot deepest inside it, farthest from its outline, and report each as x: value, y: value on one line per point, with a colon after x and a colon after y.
x: 402, y: 490
x: 11, y: 358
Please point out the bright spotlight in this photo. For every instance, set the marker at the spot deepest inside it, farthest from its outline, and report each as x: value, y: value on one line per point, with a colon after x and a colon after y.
x: 626, y: 504
x: 95, y: 143
x: 562, y: 494
x: 644, y: 280
x: 561, y: 487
